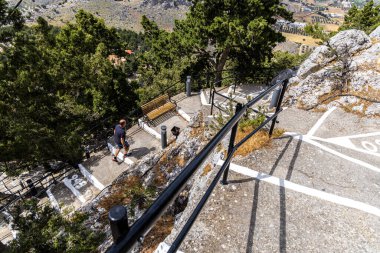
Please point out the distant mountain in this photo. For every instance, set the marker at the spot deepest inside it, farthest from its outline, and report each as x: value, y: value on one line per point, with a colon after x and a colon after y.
x: 118, y: 13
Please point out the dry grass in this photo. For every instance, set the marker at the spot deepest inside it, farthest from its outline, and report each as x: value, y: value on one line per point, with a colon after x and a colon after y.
x: 367, y: 66
x: 121, y: 194
x: 169, y: 163
x: 301, y: 39
x: 206, y: 170
x: 320, y: 109
x: 159, y: 232
x: 195, y: 132
x: 330, y: 27
x: 325, y: 98
x: 370, y: 94
x: 257, y: 141
x: 278, y: 132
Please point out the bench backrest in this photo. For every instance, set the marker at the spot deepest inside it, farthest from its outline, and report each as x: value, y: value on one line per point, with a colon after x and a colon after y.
x: 155, y: 103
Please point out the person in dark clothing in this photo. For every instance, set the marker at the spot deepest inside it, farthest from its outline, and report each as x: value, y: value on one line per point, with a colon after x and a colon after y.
x: 119, y: 138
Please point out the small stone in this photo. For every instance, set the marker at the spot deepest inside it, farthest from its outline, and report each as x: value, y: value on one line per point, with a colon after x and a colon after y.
x: 358, y: 108
x: 373, y: 109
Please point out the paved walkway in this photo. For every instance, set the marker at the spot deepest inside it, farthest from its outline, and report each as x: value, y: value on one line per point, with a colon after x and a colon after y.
x: 314, y: 190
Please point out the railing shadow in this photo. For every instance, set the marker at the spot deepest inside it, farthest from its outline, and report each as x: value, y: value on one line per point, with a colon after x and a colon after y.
x: 252, y: 223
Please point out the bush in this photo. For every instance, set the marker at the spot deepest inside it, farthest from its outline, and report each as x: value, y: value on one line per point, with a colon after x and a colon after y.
x: 43, y: 230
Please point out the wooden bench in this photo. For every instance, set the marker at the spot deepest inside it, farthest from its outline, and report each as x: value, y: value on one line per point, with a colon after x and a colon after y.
x: 157, y: 107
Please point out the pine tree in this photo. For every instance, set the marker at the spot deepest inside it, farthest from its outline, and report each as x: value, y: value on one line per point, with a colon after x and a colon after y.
x: 366, y: 19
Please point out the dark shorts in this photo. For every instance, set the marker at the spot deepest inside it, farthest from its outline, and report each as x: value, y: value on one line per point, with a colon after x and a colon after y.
x: 120, y: 146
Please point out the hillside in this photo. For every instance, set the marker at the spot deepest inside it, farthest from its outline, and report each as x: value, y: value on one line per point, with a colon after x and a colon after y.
x: 123, y: 14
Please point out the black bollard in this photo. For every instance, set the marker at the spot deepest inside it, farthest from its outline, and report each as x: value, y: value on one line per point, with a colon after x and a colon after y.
x: 118, y: 219
x: 188, y: 86
x: 87, y: 149
x: 164, y: 140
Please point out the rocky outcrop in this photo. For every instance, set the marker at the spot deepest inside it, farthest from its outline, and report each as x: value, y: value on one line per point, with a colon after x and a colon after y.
x: 375, y: 34
x: 350, y: 41
x: 348, y: 63
x: 166, y: 4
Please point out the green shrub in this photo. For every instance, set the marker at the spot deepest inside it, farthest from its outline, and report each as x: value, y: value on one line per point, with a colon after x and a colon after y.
x: 42, y: 230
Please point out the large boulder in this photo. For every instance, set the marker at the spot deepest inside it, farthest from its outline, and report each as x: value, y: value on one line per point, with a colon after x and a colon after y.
x: 375, y: 34
x: 351, y: 54
x: 352, y: 40
x: 349, y: 41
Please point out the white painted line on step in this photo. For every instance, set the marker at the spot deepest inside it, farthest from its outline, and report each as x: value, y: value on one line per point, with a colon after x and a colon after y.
x: 53, y: 200
x: 163, y: 247
x: 215, y: 116
x: 68, y: 184
x: 11, y: 221
x: 334, y: 152
x: 91, y: 178
x: 184, y: 115
x: 305, y: 190
x: 150, y: 130
x: 203, y: 99
x: 120, y: 155
x: 320, y: 121
x: 233, y: 96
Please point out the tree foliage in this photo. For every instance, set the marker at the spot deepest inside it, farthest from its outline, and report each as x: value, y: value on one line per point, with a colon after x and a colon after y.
x: 284, y: 60
x: 366, y: 19
x: 215, y: 34
x: 317, y: 32
x: 54, y: 84
x: 44, y: 230
x: 11, y: 21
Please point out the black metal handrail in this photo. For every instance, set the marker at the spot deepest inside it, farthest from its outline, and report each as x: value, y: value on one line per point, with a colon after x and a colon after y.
x: 54, y: 178
x: 135, y: 233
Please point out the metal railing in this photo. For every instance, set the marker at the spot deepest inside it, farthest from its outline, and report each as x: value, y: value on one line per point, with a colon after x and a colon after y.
x: 30, y: 189
x: 263, y: 79
x: 126, y: 237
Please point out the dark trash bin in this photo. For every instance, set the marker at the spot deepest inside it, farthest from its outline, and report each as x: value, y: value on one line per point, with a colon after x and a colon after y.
x: 33, y: 190
x: 175, y: 131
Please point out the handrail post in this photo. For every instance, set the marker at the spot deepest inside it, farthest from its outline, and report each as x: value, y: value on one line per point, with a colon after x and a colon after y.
x: 212, y: 101
x: 210, y: 88
x: 278, y: 106
x: 231, y: 144
x: 118, y: 219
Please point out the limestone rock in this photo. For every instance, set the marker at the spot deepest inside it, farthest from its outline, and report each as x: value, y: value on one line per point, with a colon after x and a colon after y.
x: 318, y: 59
x: 352, y: 41
x: 358, y: 108
x: 322, y: 72
x: 285, y: 74
x: 375, y: 34
x: 373, y: 109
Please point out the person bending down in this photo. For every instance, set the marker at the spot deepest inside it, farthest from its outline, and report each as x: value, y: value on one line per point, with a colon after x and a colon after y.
x: 119, y: 138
